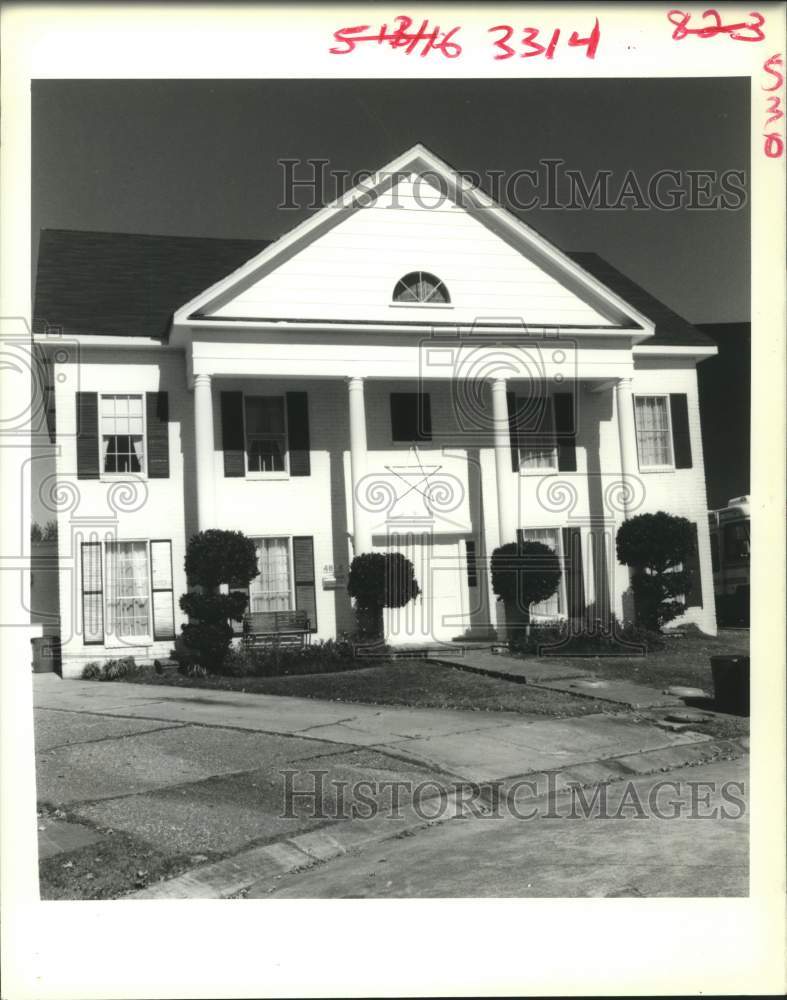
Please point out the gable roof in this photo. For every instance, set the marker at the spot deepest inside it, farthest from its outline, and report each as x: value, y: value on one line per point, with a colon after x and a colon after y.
x: 130, y: 285
x: 126, y: 284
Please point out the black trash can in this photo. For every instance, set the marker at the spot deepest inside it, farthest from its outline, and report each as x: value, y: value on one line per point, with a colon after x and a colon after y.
x: 731, y: 683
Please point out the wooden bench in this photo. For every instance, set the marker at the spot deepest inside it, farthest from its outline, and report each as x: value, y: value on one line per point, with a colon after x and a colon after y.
x: 280, y: 627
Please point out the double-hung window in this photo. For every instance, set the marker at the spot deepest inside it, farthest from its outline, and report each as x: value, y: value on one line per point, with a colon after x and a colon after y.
x: 122, y: 434
x: 266, y: 434
x: 128, y: 590
x: 272, y: 589
x: 553, y: 606
x: 654, y: 436
x: 537, y: 437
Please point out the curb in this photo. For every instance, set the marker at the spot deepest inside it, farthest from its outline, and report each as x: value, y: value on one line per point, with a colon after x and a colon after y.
x: 227, y: 878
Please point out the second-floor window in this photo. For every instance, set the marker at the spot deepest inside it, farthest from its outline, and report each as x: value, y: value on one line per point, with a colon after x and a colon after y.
x: 654, y: 440
x: 266, y: 434
x: 122, y: 434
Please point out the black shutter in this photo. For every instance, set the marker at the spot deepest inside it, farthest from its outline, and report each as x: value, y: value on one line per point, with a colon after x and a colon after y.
x: 572, y: 568
x: 161, y: 589
x: 513, y: 430
x: 87, y: 435
x: 411, y: 416
x: 565, y: 432
x: 298, y: 433
x: 92, y: 595
x: 424, y: 416
x: 681, y: 438
x: 303, y: 566
x: 157, y: 414
x: 694, y: 591
x: 232, y: 443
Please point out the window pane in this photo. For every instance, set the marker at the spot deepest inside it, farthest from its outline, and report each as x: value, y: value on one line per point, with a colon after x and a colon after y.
x: 652, y: 426
x: 536, y: 424
x: 122, y: 433
x: 266, y: 454
x: 127, y: 589
x: 271, y: 590
x: 547, y: 536
x: 264, y: 414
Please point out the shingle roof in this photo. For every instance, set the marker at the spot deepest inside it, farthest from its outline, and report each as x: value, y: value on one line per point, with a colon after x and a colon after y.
x: 130, y: 285
x: 671, y: 330
x: 124, y: 283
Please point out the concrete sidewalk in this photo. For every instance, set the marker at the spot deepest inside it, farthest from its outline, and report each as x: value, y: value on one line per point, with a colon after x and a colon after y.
x: 476, y: 746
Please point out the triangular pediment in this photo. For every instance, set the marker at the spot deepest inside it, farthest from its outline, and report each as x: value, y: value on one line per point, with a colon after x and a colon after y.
x: 417, y: 215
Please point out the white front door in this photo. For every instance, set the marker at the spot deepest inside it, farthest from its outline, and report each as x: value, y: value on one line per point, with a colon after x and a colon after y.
x: 439, y: 613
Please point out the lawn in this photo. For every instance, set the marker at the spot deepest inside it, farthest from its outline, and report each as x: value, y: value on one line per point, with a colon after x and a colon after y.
x: 400, y: 682
x: 685, y: 660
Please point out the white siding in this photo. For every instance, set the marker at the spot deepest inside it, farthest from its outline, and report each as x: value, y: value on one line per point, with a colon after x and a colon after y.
x: 350, y: 271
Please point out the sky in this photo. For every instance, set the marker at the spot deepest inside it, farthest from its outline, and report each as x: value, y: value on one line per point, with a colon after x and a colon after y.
x: 199, y: 158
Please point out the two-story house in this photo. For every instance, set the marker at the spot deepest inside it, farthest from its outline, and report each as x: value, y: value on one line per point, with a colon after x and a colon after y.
x: 411, y: 368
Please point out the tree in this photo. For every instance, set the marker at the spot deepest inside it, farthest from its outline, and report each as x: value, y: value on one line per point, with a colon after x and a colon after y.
x: 524, y: 573
x: 46, y: 534
x: 657, y: 548
x: 380, y: 580
x: 216, y: 557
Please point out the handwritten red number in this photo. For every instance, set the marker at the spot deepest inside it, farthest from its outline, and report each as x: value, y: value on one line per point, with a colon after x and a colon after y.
x: 529, y: 39
x: 502, y: 43
x: 681, y: 20
x: 768, y: 66
x: 591, y: 41
x: 553, y: 42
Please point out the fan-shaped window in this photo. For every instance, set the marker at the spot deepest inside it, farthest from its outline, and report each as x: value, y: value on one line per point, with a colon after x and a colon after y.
x: 422, y: 288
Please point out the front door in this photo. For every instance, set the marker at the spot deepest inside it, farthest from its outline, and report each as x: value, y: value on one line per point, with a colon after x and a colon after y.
x: 439, y: 613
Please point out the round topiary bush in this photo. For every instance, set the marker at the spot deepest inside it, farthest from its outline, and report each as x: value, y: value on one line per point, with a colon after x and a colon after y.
x: 380, y: 580
x: 215, y: 556
x: 524, y: 573
x: 657, y: 548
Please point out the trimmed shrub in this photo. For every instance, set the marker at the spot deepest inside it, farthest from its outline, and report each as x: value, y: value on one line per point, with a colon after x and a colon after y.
x: 275, y: 661
x: 380, y: 580
x: 91, y: 671
x: 657, y: 548
x: 216, y: 557
x: 123, y: 667
x: 524, y: 573
x: 561, y: 639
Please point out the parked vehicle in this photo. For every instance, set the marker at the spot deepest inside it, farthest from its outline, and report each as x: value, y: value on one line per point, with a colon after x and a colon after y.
x: 730, y: 554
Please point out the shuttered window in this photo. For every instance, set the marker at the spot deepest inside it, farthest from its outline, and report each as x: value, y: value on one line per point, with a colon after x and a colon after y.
x: 652, y: 424
x: 122, y: 434
x: 554, y: 605
x: 92, y: 595
x: 543, y: 433
x: 265, y: 434
x: 271, y: 589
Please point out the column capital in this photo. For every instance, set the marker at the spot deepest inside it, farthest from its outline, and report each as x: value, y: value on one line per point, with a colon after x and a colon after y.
x: 355, y: 380
x: 202, y: 378
x: 623, y: 383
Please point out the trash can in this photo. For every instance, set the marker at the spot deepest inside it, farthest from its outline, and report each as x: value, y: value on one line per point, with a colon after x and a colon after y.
x: 731, y: 683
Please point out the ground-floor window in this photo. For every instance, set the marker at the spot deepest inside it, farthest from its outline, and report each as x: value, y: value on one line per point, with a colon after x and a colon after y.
x: 272, y: 589
x: 554, y: 606
x: 127, y: 591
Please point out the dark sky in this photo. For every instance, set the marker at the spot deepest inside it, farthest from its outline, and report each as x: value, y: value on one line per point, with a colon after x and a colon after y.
x: 200, y: 158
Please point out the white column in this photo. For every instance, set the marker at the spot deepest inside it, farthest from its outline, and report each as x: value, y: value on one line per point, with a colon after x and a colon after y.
x: 627, y: 438
x: 362, y: 536
x: 203, y: 434
x: 507, y: 486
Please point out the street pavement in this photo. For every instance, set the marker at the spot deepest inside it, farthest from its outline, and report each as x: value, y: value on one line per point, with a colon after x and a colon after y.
x: 199, y: 772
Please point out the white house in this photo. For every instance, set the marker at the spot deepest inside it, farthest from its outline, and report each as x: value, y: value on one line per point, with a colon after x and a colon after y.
x: 411, y: 368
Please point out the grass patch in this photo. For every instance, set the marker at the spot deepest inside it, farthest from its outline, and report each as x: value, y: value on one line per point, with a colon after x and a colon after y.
x: 684, y: 660
x: 111, y: 868
x: 401, y: 682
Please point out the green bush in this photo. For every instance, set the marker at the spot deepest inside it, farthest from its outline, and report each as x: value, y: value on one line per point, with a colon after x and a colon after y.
x: 274, y: 660
x: 657, y: 548
x: 215, y: 556
x: 563, y: 639
x: 380, y: 580
x: 91, y: 671
x: 111, y: 670
x: 524, y: 573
